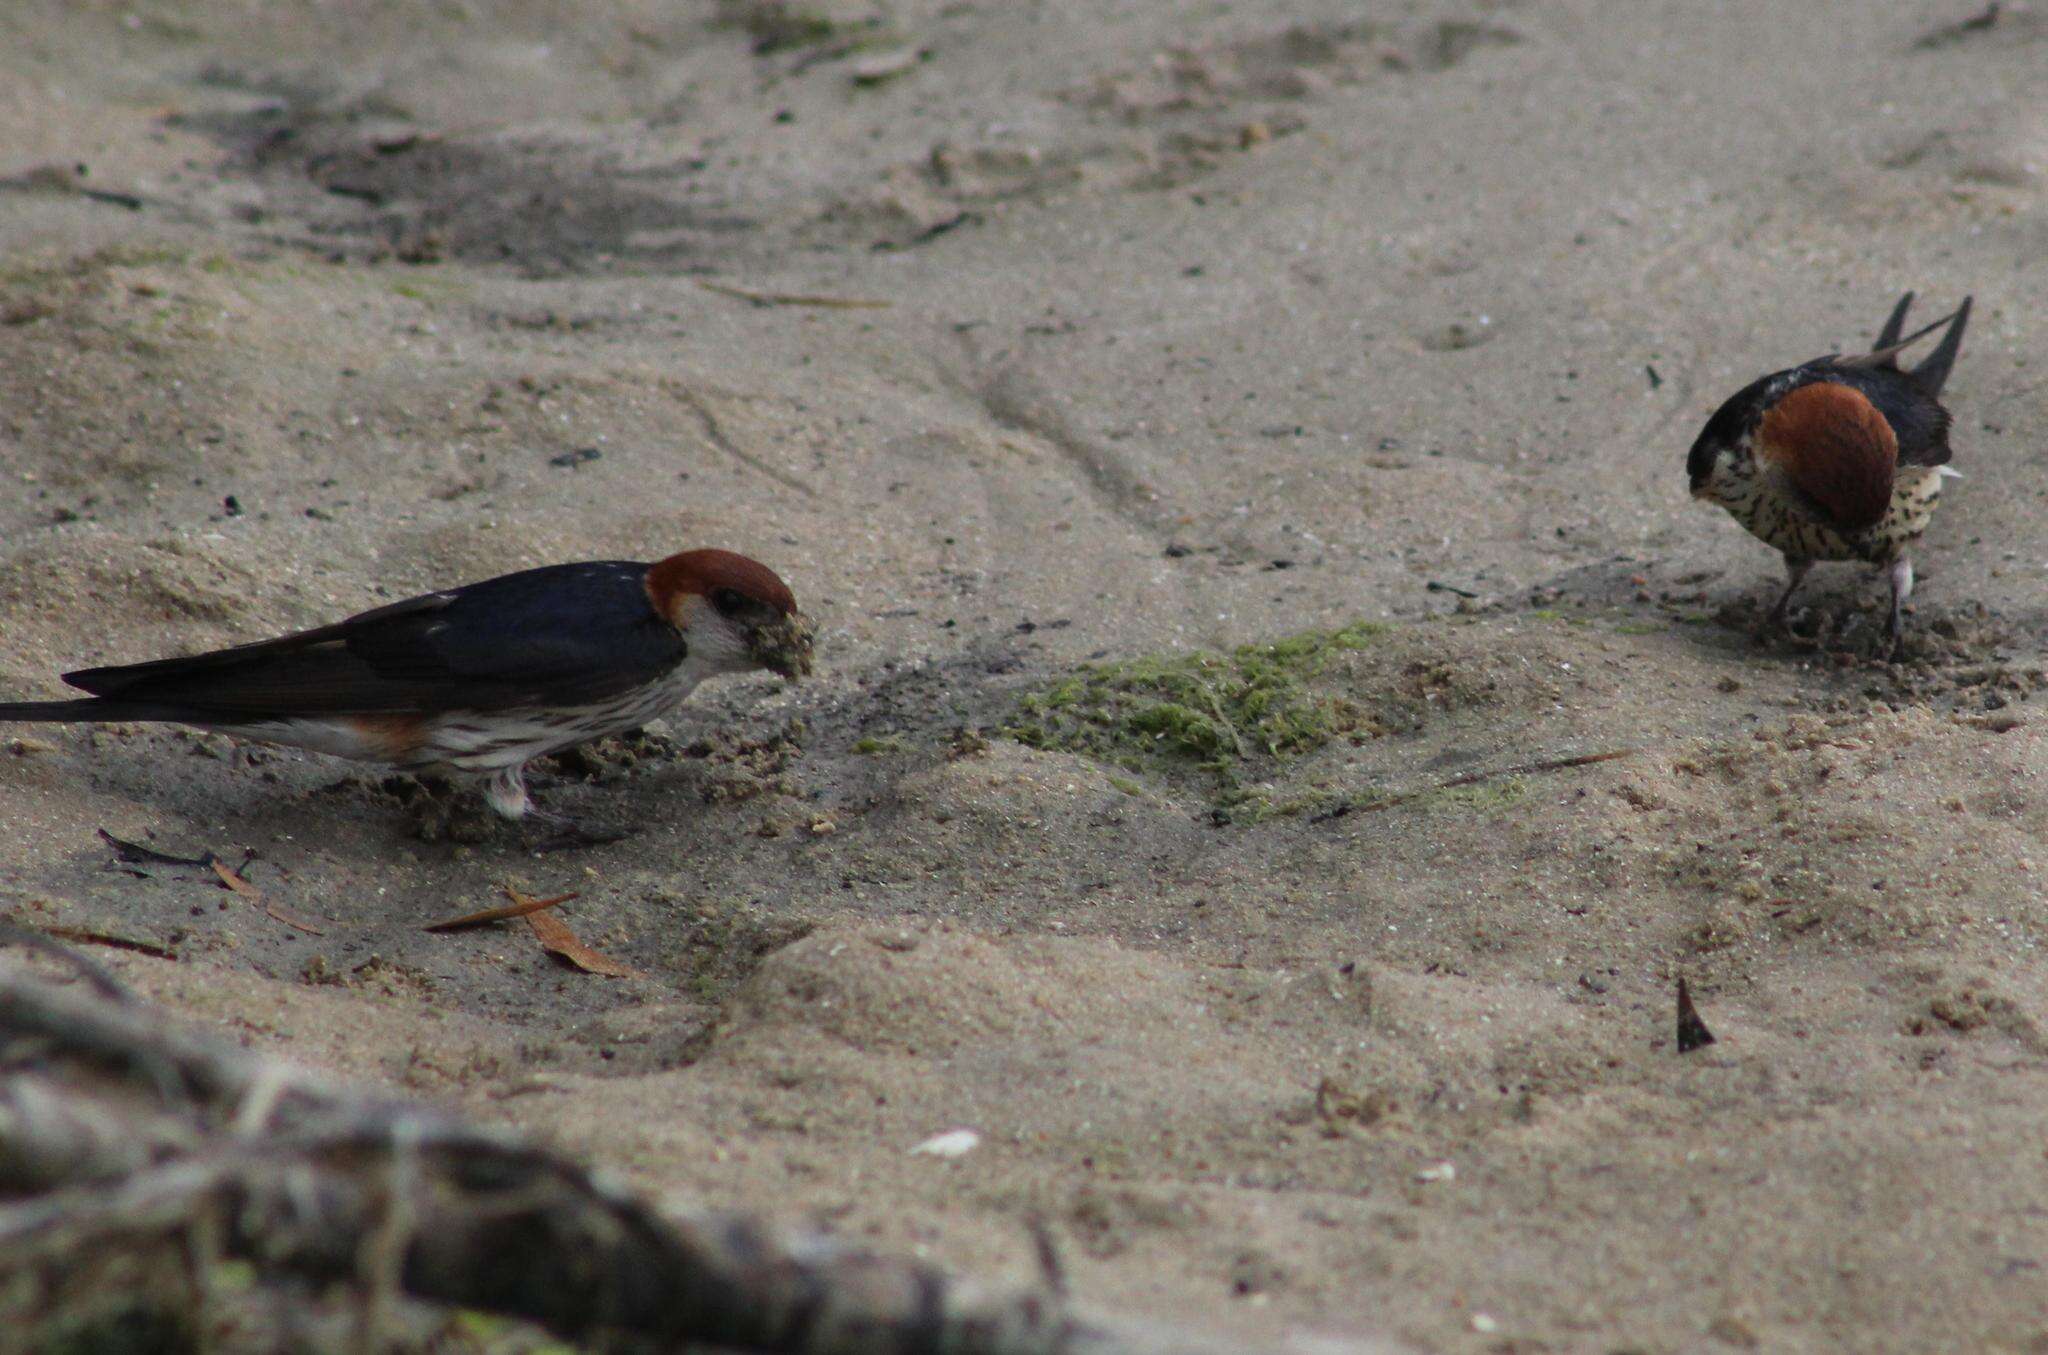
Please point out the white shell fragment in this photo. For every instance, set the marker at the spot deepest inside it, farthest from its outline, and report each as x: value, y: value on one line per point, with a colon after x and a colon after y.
x: 952, y: 1143
x: 873, y: 70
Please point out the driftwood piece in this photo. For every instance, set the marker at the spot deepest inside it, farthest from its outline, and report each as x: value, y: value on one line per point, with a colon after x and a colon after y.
x: 137, y: 1155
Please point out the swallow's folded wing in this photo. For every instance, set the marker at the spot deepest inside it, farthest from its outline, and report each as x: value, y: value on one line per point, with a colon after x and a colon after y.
x: 562, y: 635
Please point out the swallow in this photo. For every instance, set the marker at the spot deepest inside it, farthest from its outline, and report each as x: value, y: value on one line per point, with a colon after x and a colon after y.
x: 478, y: 679
x: 1839, y: 458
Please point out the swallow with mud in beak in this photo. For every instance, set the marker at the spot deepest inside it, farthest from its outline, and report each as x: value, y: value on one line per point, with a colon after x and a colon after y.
x: 479, y: 679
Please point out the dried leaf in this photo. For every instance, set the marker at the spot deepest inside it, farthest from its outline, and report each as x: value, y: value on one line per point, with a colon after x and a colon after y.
x: 520, y: 906
x: 1692, y: 1031
x: 557, y: 940
x: 255, y: 896
x: 15, y: 933
x: 297, y: 921
x: 236, y: 882
x: 135, y: 854
x: 85, y: 936
x: 1982, y: 22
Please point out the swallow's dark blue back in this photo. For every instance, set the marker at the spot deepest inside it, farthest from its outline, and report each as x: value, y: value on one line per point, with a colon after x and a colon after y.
x: 561, y: 635
x: 538, y: 630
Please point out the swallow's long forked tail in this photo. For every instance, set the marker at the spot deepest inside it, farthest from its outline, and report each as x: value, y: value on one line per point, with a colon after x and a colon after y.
x: 1931, y: 374
x: 1895, y: 325
x: 85, y: 708
x: 47, y: 710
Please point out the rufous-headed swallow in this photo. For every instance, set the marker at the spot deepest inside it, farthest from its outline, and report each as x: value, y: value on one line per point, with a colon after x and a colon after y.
x: 482, y: 678
x: 1840, y: 458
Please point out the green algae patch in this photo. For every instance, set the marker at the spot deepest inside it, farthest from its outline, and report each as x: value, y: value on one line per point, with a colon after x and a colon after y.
x: 1229, y: 715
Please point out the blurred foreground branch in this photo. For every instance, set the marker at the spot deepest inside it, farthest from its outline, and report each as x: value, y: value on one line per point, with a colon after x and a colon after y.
x: 135, y: 1158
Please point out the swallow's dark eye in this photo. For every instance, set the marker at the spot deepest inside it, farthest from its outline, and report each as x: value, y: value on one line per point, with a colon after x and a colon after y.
x: 727, y: 601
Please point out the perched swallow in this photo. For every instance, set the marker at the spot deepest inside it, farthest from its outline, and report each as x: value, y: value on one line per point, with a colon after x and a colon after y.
x: 1837, y: 458
x: 482, y: 678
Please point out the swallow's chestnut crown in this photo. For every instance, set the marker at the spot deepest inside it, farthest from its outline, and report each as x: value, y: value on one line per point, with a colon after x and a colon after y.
x: 720, y: 576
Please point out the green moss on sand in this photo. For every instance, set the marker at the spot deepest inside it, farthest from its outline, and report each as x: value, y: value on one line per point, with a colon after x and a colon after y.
x: 1223, y: 714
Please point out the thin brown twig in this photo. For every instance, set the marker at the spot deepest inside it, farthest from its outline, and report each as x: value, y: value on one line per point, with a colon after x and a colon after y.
x: 840, y: 303
x: 39, y: 940
x: 1555, y: 764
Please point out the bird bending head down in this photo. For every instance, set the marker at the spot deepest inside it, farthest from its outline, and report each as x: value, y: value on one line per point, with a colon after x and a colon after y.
x: 736, y: 610
x: 1839, y: 458
x: 481, y: 678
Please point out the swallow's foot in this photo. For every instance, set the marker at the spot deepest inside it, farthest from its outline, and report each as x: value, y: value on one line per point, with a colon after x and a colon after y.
x: 1779, y: 629
x: 441, y: 811
x: 542, y: 832
x: 1854, y: 640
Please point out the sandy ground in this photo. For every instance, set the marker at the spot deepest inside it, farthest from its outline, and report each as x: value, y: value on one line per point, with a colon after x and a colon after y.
x: 1190, y: 326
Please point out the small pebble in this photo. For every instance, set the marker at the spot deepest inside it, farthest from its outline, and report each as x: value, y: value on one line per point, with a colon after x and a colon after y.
x: 873, y: 70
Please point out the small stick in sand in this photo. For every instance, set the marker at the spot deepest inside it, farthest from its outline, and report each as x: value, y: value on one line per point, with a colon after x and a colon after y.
x: 1554, y: 764
x: 764, y: 299
x: 520, y: 906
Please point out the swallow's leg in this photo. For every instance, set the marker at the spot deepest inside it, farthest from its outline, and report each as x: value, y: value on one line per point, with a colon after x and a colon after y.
x: 1795, y: 574
x: 1902, y: 588
x: 506, y: 794
x: 563, y: 834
